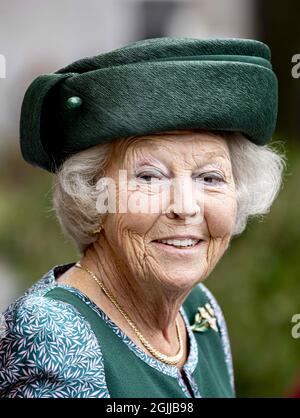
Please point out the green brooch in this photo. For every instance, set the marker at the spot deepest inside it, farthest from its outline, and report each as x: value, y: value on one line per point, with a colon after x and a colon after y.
x: 205, y: 319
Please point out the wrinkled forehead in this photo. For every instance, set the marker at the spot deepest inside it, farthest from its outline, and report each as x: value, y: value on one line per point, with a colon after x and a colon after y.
x: 173, y: 146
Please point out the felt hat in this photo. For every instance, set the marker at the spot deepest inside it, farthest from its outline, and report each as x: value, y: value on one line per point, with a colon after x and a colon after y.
x: 150, y: 86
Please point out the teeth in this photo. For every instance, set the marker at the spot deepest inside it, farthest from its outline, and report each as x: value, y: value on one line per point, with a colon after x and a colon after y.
x: 179, y: 242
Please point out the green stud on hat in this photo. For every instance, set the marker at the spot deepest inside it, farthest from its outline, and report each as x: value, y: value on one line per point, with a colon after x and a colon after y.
x: 74, y: 102
x: 150, y: 86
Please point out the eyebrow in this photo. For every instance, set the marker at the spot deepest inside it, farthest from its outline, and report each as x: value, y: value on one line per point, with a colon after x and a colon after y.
x: 200, y: 159
x: 212, y: 154
x: 149, y: 160
x: 216, y: 159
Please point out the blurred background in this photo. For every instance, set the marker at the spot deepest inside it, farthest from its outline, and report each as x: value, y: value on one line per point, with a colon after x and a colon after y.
x: 258, y: 280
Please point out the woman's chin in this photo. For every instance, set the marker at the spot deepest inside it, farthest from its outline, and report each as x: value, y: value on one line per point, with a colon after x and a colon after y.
x: 183, y: 279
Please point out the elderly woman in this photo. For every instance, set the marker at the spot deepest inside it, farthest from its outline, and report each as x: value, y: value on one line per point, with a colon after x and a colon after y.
x: 159, y: 156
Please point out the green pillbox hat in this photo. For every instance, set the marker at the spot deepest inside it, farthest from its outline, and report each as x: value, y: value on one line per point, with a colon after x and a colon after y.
x: 150, y: 86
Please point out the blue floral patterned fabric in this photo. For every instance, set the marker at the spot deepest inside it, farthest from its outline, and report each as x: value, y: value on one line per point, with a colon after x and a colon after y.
x: 48, y: 349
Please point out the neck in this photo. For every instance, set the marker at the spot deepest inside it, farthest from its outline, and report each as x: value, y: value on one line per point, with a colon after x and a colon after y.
x: 152, y: 306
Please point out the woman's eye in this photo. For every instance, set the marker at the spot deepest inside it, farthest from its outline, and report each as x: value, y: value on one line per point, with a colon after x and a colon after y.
x: 146, y: 178
x: 210, y: 179
x: 149, y: 177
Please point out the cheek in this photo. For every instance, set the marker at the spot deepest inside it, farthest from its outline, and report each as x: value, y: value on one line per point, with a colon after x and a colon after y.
x: 220, y: 215
x: 146, y: 199
x: 136, y: 223
x: 143, y: 206
x: 129, y: 229
x: 142, y: 210
x: 137, y: 208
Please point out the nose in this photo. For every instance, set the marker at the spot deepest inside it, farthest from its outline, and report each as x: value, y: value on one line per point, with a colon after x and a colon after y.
x: 186, y: 200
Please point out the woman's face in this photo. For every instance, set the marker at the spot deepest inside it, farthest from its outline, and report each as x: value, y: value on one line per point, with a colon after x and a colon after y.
x: 179, y: 186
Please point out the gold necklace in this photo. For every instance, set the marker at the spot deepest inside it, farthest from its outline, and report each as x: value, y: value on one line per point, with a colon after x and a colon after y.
x: 160, y: 356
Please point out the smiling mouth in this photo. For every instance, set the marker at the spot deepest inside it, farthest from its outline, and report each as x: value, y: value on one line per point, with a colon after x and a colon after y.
x: 178, y: 243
